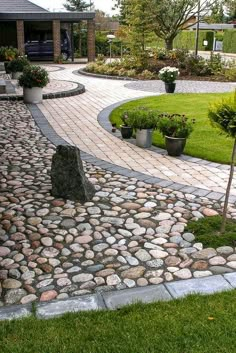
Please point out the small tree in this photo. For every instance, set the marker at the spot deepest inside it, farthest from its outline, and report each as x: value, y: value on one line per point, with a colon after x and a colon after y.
x: 223, y: 115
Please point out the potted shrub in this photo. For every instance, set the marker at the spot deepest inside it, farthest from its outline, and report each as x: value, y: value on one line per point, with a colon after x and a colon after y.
x: 16, y: 66
x: 7, y: 54
x: 125, y: 129
x: 143, y: 121
x: 176, y: 129
x: 33, y: 79
x: 168, y: 75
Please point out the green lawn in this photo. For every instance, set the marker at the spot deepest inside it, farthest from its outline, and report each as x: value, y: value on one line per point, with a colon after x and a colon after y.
x: 197, y: 324
x: 206, y: 141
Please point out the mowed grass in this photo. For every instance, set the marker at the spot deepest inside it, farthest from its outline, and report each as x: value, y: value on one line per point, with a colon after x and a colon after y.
x: 206, y: 141
x: 196, y: 324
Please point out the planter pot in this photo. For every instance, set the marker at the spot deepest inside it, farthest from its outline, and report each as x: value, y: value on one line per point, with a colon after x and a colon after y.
x: 144, y: 138
x: 33, y: 95
x: 175, y: 146
x: 16, y: 75
x: 126, y: 131
x: 170, y: 87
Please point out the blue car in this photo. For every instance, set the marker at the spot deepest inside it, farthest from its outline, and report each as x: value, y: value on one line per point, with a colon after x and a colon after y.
x: 39, y: 45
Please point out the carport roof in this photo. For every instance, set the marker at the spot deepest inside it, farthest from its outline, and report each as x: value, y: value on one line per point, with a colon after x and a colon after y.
x: 19, y: 6
x: 12, y: 10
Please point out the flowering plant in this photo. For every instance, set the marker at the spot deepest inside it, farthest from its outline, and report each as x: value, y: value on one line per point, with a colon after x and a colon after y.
x: 18, y: 64
x: 34, y: 76
x: 168, y: 74
x: 175, y: 125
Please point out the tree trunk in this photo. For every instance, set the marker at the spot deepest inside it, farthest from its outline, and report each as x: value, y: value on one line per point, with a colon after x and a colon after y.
x: 231, y: 174
x: 169, y: 44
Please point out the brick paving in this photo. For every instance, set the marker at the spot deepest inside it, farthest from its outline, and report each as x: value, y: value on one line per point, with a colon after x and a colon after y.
x: 75, y: 120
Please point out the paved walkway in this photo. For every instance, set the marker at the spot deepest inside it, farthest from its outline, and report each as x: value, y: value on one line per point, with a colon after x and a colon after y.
x: 75, y: 120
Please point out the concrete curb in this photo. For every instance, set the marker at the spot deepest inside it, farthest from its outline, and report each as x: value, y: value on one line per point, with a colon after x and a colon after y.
x: 119, y: 298
x: 73, y: 92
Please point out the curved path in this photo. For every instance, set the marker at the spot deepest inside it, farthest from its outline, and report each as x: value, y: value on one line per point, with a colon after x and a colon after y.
x: 75, y: 120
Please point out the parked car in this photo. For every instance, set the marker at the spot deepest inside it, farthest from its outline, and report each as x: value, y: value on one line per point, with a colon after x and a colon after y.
x: 39, y: 45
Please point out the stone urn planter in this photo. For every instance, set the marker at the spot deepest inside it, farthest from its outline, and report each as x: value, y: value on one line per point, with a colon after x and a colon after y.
x: 33, y: 95
x: 126, y: 131
x: 33, y: 79
x: 144, y: 138
x: 170, y: 87
x: 175, y: 146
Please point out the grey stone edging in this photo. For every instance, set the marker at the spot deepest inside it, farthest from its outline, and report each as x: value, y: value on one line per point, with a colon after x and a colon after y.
x: 110, y: 77
x: 48, y: 131
x: 73, y: 92
x: 116, y: 299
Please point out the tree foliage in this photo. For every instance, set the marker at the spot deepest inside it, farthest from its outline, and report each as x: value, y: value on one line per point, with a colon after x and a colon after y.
x: 165, y: 17
x: 76, y: 5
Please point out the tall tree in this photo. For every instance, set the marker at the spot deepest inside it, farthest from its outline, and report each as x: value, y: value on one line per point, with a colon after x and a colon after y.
x: 169, y: 17
x: 172, y: 16
x: 80, y: 6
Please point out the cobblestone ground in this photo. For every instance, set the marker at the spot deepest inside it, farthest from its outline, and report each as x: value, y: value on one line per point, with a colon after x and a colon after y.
x: 130, y: 234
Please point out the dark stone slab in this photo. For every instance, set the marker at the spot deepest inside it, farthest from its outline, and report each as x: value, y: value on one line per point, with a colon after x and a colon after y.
x: 67, y: 175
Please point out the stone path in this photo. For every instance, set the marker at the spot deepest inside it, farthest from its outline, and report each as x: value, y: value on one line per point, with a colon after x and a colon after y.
x: 75, y: 120
x: 132, y: 234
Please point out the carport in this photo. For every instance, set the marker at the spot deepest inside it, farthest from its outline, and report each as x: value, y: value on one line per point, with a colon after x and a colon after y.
x: 15, y: 13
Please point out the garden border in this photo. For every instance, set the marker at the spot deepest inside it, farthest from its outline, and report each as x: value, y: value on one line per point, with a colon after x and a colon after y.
x: 109, y: 77
x: 80, y: 89
x: 116, y: 299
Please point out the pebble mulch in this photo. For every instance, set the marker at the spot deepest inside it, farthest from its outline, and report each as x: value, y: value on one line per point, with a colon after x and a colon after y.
x: 131, y: 233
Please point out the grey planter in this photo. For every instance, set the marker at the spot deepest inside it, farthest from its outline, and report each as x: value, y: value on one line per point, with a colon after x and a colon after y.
x: 144, y: 138
x: 16, y: 75
x: 175, y: 146
x: 33, y: 95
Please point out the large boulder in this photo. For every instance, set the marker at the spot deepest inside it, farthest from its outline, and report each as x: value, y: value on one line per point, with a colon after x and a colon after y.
x: 67, y: 175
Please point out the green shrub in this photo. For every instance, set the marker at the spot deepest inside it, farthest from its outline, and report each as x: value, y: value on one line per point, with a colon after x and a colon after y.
x: 175, y: 125
x: 223, y: 115
x: 197, y: 65
x: 34, y: 76
x: 142, y: 118
x: 8, y: 53
x: 146, y: 75
x: 230, y: 74
x: 229, y: 42
x: 18, y: 64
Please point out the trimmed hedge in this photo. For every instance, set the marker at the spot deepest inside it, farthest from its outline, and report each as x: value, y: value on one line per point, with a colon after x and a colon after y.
x: 229, y: 41
x: 186, y: 40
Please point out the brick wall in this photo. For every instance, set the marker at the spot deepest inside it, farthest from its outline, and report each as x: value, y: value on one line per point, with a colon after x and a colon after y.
x: 20, y: 36
x: 91, y: 41
x: 56, y: 27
